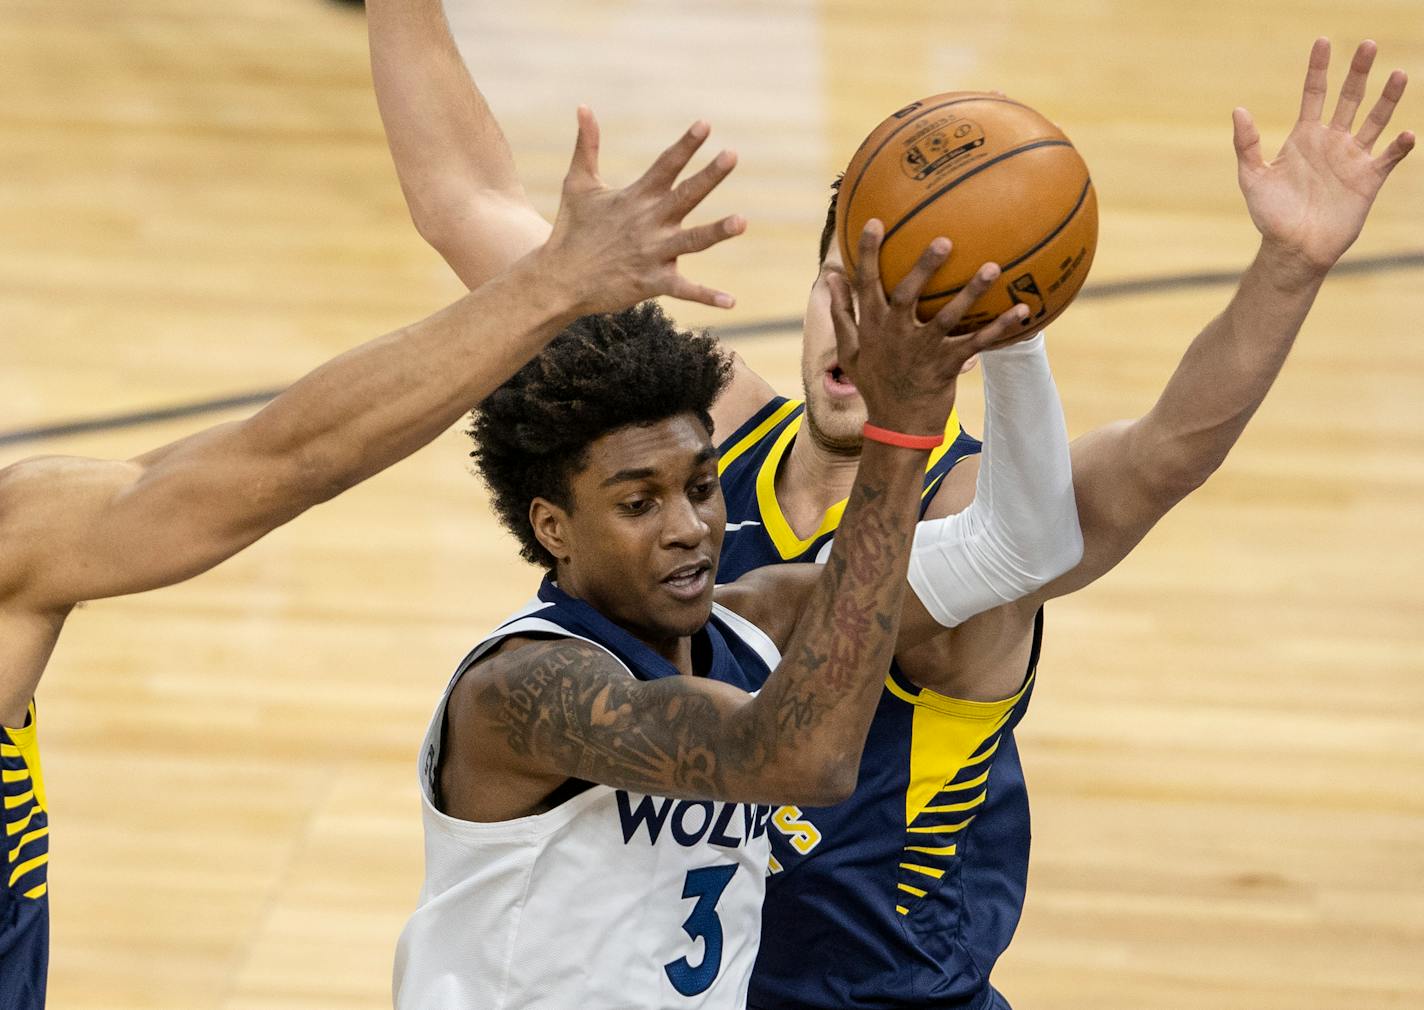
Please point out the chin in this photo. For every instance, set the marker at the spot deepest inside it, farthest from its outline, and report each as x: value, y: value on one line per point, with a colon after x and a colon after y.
x: 838, y: 428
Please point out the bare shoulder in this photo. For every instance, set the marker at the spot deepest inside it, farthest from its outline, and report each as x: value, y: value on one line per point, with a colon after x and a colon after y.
x: 772, y: 598
x: 42, y: 499
x: 745, y: 394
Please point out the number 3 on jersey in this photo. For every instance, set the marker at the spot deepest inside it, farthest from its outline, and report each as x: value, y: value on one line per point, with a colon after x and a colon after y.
x: 706, y: 885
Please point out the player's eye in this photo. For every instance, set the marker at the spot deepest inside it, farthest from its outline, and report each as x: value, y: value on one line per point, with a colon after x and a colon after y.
x: 635, y: 506
x: 704, y: 489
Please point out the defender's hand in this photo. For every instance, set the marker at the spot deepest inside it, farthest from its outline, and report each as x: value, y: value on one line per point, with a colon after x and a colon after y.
x: 905, y: 369
x: 616, y: 247
x: 1311, y: 201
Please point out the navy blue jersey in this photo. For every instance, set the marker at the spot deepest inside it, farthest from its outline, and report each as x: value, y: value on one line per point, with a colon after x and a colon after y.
x: 719, y: 652
x: 906, y: 894
x: 24, y: 893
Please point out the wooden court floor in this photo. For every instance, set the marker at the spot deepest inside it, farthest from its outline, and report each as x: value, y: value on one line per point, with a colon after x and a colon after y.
x: 1226, y: 750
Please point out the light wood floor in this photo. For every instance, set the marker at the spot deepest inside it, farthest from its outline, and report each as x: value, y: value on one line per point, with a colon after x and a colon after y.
x: 1226, y: 750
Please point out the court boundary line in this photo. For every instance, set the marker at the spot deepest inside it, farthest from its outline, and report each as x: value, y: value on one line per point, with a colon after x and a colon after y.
x: 1131, y: 287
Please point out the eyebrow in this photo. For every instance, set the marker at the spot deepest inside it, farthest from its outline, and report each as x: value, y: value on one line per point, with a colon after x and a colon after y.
x: 704, y: 455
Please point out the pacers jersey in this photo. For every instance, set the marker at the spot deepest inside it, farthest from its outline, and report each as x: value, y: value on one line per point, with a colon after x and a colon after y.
x: 906, y: 894
x: 24, y: 893
x: 611, y: 899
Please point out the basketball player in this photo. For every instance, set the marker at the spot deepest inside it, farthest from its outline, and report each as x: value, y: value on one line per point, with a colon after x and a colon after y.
x: 911, y: 890
x: 77, y: 529
x: 559, y: 862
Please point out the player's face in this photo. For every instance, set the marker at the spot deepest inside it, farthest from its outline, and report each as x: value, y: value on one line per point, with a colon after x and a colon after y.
x: 834, y: 407
x: 646, y: 528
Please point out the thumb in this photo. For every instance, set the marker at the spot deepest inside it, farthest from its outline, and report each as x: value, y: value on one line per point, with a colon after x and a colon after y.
x: 1247, y: 140
x: 583, y: 170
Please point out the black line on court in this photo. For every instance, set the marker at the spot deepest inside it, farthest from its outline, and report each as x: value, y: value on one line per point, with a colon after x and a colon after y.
x: 766, y: 327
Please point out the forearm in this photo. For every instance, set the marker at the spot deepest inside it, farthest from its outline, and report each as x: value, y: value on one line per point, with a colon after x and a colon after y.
x: 1224, y: 376
x: 1021, y: 530
x: 814, y: 711
x: 443, y: 136
x: 374, y: 405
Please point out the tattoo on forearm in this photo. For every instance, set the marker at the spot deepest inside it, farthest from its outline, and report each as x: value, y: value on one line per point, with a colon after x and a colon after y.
x: 574, y: 710
x: 582, y: 714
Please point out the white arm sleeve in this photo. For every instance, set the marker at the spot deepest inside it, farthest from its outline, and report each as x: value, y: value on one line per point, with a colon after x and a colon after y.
x: 1021, y: 531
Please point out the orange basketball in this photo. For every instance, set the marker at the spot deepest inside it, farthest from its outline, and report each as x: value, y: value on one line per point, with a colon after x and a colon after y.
x: 995, y: 178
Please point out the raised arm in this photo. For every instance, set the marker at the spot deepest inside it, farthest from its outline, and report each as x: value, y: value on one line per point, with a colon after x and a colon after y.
x: 454, y: 164
x: 1309, y: 204
x: 458, y: 173
x: 76, y: 529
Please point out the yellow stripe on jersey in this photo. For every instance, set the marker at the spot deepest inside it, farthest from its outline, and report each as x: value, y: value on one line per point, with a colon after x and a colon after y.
x: 946, y: 735
x: 24, y: 743
x: 20, y: 775
x: 773, y: 520
x: 26, y: 839
x: 916, y: 891
x: 940, y: 829
x: 928, y: 871
x: 939, y: 850
x: 755, y: 435
x: 38, y: 892
x: 16, y: 827
x: 11, y: 802
x: 27, y: 866
x: 955, y: 808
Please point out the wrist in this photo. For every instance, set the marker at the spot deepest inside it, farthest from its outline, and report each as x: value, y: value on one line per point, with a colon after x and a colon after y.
x: 1288, y: 270
x: 556, y: 288
x: 911, y: 437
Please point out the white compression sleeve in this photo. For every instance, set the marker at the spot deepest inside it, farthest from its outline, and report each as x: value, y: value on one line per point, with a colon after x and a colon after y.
x: 1021, y: 531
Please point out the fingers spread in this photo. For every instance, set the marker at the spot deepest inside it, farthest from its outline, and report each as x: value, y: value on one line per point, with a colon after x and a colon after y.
x: 688, y: 291
x: 1379, y: 116
x: 664, y: 172
x: 1312, y: 100
x: 692, y: 191
x: 1352, y: 92
x: 1396, y: 152
x: 1247, y: 140
x: 583, y: 170
x: 692, y: 240
x: 907, y: 292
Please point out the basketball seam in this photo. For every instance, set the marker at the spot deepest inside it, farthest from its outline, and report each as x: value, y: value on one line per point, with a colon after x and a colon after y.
x: 850, y: 197
x: 1005, y: 268
x: 1032, y: 146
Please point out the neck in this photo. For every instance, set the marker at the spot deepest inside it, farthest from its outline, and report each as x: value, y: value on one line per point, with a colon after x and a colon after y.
x: 677, y: 650
x: 813, y: 477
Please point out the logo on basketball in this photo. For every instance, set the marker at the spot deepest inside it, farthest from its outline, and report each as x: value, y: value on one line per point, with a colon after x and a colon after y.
x: 1023, y: 289
x: 944, y: 145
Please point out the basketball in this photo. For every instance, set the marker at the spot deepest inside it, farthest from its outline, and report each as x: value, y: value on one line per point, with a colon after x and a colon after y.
x: 994, y: 177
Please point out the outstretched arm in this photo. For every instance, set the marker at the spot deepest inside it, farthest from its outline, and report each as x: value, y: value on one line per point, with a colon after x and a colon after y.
x: 454, y: 164
x: 1309, y: 204
x: 77, y: 529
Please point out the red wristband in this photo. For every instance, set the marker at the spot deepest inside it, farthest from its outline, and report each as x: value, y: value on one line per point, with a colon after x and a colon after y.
x: 898, y: 438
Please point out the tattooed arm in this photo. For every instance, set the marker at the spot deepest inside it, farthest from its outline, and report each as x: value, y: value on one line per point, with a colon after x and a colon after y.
x: 539, y: 712
x: 536, y: 714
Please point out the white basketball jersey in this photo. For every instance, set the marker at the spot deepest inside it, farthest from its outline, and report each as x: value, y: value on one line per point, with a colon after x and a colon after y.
x: 609, y: 900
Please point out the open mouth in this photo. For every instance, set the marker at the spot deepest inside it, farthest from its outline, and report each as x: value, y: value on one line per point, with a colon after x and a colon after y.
x: 689, y: 581
x: 838, y: 383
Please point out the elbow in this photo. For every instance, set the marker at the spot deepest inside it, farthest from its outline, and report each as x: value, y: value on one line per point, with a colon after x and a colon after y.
x: 825, y: 783
x: 1167, y: 481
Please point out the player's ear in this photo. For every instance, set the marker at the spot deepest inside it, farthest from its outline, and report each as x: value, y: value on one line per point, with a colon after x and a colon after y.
x: 551, y: 527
